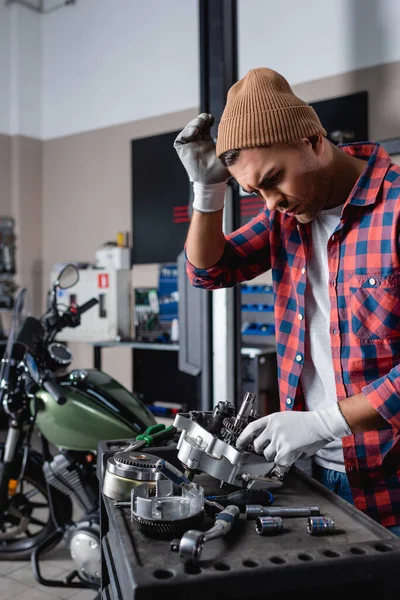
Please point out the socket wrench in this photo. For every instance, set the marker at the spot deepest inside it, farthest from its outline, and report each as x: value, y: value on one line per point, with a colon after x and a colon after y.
x: 191, y: 544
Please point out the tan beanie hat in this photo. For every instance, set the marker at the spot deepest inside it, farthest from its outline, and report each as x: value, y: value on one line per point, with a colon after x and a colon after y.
x: 261, y: 109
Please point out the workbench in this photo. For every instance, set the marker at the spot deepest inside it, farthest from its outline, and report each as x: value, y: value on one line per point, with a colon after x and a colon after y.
x: 358, y: 560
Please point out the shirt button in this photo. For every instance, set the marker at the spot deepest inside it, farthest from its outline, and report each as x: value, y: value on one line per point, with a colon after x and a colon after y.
x: 372, y: 281
x: 335, y: 332
x: 288, y: 401
x: 303, y: 270
x: 333, y: 238
x: 299, y: 357
x: 300, y: 317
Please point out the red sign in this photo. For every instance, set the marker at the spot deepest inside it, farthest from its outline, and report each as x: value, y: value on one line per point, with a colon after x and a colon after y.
x: 103, y: 280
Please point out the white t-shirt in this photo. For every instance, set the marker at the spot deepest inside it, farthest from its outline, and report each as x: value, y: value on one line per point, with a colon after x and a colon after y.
x: 317, y: 377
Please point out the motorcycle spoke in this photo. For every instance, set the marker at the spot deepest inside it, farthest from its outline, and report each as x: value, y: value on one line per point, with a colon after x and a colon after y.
x: 39, y: 504
x: 34, y: 521
x: 32, y: 493
x: 28, y: 533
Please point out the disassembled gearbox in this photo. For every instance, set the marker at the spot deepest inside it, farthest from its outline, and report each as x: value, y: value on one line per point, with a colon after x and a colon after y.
x: 208, y: 444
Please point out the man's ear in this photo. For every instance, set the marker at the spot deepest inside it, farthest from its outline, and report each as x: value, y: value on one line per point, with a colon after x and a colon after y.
x: 317, y: 143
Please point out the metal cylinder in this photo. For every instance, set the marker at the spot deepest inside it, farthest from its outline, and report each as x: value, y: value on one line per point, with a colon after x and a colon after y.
x: 320, y: 525
x: 246, y: 406
x: 268, y: 525
x: 256, y: 510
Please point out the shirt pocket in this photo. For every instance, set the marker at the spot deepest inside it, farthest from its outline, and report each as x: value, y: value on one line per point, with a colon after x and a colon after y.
x: 375, y: 306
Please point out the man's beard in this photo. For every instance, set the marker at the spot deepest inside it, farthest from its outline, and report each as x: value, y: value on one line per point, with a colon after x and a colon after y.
x: 318, y: 186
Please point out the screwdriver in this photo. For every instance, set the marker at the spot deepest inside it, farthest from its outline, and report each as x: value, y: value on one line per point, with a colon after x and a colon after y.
x: 241, y: 498
x: 256, y: 510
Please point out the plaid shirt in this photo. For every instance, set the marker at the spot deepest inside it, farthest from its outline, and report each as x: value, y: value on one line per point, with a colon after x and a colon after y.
x: 364, y: 292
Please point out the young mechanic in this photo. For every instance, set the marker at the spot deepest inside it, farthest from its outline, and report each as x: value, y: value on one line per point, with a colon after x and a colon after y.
x: 330, y: 233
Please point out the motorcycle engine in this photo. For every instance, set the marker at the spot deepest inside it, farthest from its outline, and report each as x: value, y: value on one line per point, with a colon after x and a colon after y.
x: 83, y: 540
x: 69, y: 476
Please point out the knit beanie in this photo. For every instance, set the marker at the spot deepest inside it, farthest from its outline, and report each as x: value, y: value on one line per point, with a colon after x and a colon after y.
x: 262, y: 109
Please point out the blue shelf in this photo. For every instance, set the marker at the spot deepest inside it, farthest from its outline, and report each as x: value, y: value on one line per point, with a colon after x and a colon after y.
x: 257, y: 308
x: 256, y: 289
x: 259, y: 329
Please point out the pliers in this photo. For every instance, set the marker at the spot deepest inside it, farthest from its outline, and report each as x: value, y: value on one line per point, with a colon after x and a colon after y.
x: 154, y: 433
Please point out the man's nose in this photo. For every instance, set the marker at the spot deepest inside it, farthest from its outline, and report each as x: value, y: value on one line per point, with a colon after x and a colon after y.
x: 272, y: 198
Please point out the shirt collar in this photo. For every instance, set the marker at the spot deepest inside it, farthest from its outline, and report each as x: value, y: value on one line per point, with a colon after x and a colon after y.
x: 369, y: 183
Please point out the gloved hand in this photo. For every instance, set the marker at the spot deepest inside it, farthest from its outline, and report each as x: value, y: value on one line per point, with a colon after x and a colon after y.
x: 286, y: 436
x: 196, y: 150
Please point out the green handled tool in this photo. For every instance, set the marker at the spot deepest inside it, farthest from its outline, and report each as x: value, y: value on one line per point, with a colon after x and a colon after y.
x: 154, y: 433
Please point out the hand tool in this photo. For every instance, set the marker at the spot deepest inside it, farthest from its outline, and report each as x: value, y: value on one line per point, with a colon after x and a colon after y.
x: 192, y: 542
x: 154, y: 433
x: 256, y: 510
x: 268, y: 525
x: 320, y: 525
x: 244, y: 496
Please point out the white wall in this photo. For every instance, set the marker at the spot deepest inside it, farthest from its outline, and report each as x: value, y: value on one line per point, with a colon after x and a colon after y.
x: 107, y: 62
x: 20, y: 71
x: 4, y: 69
x: 311, y: 39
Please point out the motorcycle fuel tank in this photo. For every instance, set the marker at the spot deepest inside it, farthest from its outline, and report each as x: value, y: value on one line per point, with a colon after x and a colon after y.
x: 98, y: 408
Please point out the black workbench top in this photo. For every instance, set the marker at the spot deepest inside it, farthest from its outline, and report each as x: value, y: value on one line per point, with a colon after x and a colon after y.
x: 359, y: 559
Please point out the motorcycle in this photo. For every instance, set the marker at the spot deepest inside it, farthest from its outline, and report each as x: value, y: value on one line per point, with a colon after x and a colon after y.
x: 70, y: 411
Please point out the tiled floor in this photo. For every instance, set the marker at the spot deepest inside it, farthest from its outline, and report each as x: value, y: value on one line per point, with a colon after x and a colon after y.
x: 17, y: 580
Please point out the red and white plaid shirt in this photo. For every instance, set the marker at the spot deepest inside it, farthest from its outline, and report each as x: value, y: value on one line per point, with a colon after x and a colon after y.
x: 364, y: 292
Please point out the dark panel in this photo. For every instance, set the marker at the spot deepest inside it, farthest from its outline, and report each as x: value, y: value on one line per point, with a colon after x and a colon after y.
x: 345, y: 114
x: 160, y: 193
x: 157, y: 378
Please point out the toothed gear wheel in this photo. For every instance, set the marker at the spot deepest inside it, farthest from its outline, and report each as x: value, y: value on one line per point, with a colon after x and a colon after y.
x: 166, y: 529
x: 231, y: 430
x: 136, y: 459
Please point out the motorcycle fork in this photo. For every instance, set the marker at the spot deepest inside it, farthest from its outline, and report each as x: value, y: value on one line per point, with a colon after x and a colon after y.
x: 13, y: 435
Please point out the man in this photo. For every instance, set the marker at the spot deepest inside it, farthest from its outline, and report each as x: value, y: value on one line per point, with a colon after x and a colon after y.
x: 330, y: 233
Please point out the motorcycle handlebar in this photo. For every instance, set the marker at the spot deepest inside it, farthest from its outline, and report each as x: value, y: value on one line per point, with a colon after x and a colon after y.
x: 86, y: 306
x: 55, y: 390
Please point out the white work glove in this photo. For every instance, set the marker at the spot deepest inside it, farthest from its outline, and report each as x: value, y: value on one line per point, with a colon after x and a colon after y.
x: 284, y: 437
x: 196, y: 150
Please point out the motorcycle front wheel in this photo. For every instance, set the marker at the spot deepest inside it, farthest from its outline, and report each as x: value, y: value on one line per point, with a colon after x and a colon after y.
x: 28, y: 521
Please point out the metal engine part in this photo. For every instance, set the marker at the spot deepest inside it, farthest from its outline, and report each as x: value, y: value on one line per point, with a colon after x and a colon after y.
x: 63, y: 474
x: 125, y: 470
x: 167, y: 509
x: 83, y: 540
x: 201, y: 447
x: 234, y: 425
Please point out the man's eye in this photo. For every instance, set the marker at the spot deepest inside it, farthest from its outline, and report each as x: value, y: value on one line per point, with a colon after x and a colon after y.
x: 272, y: 180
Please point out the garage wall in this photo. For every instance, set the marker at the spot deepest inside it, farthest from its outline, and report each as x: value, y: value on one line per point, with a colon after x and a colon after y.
x: 20, y: 146
x: 107, y: 62
x: 313, y: 39
x: 87, y: 200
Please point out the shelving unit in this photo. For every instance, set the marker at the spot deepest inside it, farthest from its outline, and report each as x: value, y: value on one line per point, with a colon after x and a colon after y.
x: 259, y: 366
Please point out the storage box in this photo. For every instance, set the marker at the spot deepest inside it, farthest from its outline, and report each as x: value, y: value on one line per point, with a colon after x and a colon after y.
x: 108, y: 320
x: 113, y: 257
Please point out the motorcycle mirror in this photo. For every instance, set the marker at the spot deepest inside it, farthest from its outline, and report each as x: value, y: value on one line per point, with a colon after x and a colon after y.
x: 67, y: 277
